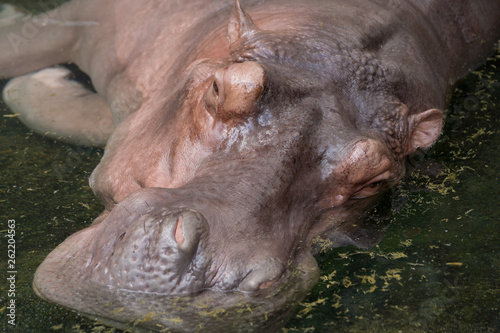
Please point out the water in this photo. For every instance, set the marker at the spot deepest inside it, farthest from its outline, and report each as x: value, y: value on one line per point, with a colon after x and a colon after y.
x: 436, y: 270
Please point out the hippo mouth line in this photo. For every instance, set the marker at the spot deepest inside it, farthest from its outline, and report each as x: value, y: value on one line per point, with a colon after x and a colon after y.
x: 144, y: 261
x: 145, y: 312
x: 124, y: 307
x: 167, y: 247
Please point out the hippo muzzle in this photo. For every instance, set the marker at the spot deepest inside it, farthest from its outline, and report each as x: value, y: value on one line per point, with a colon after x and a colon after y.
x: 147, y: 265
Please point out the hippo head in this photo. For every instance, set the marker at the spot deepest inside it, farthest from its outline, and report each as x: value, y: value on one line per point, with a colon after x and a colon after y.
x: 218, y: 193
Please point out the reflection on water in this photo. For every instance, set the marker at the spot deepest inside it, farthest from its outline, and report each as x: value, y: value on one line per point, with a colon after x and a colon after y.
x: 437, y: 269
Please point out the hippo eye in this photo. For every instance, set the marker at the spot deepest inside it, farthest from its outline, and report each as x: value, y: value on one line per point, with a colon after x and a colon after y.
x: 216, y: 89
x: 369, y: 190
x: 212, y: 98
x: 375, y: 184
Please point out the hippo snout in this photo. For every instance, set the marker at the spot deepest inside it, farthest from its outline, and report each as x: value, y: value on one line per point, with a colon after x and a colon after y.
x: 157, y: 253
x: 160, y: 253
x: 151, y: 243
x: 141, y: 246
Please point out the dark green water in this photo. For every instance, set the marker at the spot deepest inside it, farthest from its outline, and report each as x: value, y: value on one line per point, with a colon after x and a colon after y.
x: 436, y: 270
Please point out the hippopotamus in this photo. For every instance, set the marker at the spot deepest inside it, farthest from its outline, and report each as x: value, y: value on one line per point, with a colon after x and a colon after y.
x: 240, y: 138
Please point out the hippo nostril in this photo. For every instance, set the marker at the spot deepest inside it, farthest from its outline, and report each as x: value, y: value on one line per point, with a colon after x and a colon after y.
x: 179, y: 237
x: 264, y: 274
x: 188, y: 229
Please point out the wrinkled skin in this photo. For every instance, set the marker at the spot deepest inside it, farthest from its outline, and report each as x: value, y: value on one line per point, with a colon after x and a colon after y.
x: 236, y: 147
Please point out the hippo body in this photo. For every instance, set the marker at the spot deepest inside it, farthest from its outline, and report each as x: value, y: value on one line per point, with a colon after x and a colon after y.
x: 232, y: 149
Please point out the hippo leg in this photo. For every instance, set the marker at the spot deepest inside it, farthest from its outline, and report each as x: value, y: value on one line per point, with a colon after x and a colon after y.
x: 31, y: 42
x: 54, y: 106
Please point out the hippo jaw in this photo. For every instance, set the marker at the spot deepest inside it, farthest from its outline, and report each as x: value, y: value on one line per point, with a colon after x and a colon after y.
x: 149, y: 269
x: 210, y: 310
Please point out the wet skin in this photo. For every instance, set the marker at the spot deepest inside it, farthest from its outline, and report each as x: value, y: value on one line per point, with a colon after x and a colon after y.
x: 236, y: 148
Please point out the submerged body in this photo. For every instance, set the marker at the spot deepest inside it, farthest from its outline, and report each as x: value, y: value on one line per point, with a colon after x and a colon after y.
x: 236, y: 148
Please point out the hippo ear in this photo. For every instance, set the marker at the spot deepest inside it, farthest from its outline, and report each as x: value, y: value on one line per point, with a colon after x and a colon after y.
x: 425, y: 129
x: 240, y: 24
